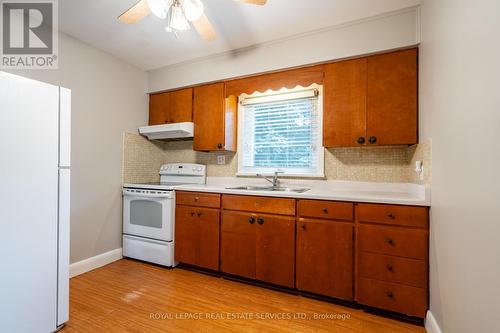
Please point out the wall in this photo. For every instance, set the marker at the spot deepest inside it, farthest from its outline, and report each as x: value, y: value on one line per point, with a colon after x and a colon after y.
x: 384, y: 32
x: 143, y: 158
x: 108, y: 97
x: 460, y: 111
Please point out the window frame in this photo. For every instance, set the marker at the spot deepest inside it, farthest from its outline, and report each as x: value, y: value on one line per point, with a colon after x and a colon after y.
x: 272, y: 96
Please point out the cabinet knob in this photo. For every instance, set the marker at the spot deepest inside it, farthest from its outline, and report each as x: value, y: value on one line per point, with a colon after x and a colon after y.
x: 304, y: 227
x: 389, y: 241
x: 196, y: 198
x: 391, y: 216
x: 389, y: 294
x: 199, y: 214
x: 372, y: 139
x: 325, y: 210
x: 192, y: 213
x: 390, y: 268
x: 361, y: 140
x: 260, y: 221
x: 251, y: 220
x: 219, y: 146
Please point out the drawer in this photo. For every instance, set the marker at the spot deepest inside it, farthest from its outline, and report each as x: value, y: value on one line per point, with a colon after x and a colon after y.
x: 211, y: 200
x: 410, y: 272
x: 394, y: 241
x: 281, y: 206
x: 394, y: 214
x: 392, y: 296
x: 326, y: 209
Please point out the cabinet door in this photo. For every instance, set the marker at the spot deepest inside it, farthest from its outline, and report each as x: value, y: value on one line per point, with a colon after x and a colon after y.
x: 181, y: 106
x: 186, y: 235
x: 208, y: 230
x: 344, y: 112
x: 325, y: 258
x: 238, y: 237
x: 159, y: 105
x: 392, y: 98
x: 209, y: 117
x: 275, y: 250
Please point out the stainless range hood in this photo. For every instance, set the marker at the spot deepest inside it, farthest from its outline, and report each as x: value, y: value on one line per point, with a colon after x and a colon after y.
x: 168, y: 131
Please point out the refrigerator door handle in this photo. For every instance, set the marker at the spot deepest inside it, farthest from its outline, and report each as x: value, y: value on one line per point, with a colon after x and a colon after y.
x: 63, y: 246
x: 64, y: 127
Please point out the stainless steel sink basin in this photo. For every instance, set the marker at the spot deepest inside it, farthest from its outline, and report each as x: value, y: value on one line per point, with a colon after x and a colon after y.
x: 269, y: 188
x: 289, y: 189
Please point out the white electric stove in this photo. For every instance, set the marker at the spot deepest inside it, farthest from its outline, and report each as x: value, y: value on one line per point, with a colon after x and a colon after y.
x: 149, y: 213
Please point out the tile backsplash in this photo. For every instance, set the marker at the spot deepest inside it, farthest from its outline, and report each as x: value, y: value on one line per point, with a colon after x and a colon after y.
x: 142, y: 160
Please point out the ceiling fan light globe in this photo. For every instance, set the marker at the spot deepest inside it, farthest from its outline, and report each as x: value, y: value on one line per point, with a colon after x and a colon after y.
x: 158, y: 8
x: 193, y: 9
x: 177, y: 19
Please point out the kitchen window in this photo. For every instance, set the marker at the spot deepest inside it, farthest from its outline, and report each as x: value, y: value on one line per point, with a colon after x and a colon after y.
x: 281, y: 130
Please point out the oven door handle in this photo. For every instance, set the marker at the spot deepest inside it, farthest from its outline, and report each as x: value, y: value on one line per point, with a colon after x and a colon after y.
x: 147, y: 195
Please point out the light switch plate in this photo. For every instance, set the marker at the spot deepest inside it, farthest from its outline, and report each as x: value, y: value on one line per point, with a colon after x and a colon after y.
x: 221, y: 159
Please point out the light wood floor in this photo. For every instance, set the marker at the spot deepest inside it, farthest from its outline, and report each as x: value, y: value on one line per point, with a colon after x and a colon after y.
x: 125, y: 296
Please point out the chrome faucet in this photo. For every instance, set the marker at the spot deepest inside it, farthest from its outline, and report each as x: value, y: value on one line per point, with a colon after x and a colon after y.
x: 275, y: 180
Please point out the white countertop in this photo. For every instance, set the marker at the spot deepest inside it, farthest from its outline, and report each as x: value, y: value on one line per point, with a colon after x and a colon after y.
x: 390, y: 193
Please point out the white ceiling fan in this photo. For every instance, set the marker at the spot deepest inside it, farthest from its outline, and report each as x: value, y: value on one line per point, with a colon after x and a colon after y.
x: 178, y: 14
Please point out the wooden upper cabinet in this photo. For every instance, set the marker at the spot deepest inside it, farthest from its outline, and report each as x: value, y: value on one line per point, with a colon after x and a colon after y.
x: 181, y: 106
x: 371, y: 101
x: 391, y: 101
x: 214, y: 118
x: 159, y: 108
x: 171, y: 107
x: 344, y: 122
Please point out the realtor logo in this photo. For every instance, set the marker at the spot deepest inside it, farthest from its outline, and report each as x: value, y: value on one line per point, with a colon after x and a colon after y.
x: 29, y: 38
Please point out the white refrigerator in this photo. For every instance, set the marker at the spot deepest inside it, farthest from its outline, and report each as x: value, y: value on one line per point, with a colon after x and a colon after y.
x: 35, y: 131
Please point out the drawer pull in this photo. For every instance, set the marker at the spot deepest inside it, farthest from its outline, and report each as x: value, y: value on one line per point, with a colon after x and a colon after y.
x: 196, y: 198
x: 260, y: 221
x: 390, y: 294
x: 192, y: 213
x: 251, y: 220
x: 325, y: 210
x: 390, y: 268
x: 389, y: 241
x: 391, y: 216
x: 199, y: 214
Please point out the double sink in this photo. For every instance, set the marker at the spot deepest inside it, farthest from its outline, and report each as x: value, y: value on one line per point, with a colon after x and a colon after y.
x: 269, y: 189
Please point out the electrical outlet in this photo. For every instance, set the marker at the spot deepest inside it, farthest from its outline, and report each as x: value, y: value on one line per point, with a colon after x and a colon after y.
x: 221, y: 159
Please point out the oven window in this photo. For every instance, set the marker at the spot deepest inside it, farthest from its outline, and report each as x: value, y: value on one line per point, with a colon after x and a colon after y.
x: 146, y: 213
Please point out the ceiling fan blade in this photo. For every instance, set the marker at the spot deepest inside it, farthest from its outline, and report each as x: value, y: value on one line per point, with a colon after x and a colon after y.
x: 205, y: 28
x: 135, y: 13
x: 254, y: 2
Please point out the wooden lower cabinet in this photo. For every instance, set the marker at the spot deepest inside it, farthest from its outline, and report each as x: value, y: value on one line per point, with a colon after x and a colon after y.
x: 325, y: 258
x: 372, y: 254
x: 237, y: 251
x: 258, y: 246
x: 275, y: 254
x: 392, y: 296
x: 412, y: 272
x: 197, y: 236
x: 392, y: 258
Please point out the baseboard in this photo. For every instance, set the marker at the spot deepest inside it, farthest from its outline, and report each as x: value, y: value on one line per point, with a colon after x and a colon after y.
x: 99, y: 260
x: 431, y: 325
